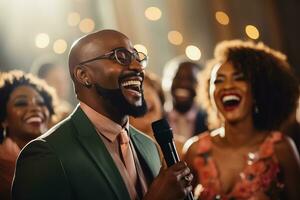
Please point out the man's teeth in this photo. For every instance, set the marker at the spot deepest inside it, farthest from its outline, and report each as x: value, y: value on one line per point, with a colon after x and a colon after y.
x: 130, y: 83
x: 34, y: 120
x: 230, y: 98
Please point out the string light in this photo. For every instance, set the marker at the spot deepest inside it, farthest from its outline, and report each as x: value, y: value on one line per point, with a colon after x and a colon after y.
x: 42, y: 40
x: 73, y: 19
x: 193, y: 52
x: 252, y: 32
x: 87, y: 25
x: 175, y: 37
x: 60, y: 46
x: 153, y: 13
x: 222, y: 18
x: 141, y: 48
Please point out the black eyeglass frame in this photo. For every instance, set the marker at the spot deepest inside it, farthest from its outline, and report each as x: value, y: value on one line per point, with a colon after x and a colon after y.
x: 112, y: 55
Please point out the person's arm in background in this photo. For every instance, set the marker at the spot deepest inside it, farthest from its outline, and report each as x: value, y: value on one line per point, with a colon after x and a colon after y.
x: 9, y: 152
x: 289, y: 161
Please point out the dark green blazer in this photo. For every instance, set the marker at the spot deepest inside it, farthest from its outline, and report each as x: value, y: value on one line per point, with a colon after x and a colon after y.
x: 71, y: 162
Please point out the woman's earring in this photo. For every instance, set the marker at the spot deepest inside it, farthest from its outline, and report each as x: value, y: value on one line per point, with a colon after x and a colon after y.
x: 4, y: 132
x: 256, y: 111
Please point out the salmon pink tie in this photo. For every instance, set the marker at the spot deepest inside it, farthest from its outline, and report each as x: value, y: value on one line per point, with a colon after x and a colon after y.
x: 128, y: 156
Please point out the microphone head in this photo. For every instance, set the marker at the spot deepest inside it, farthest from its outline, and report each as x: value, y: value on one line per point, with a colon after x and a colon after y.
x: 162, y: 131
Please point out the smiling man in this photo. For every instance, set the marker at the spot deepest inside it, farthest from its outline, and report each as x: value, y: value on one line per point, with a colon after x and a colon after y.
x: 95, y: 153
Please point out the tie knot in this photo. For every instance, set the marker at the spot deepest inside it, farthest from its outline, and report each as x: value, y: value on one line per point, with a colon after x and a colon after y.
x: 124, y: 139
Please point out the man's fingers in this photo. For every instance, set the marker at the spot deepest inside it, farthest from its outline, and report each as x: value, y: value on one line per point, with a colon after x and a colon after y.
x: 184, y: 172
x: 178, y: 166
x: 188, y: 190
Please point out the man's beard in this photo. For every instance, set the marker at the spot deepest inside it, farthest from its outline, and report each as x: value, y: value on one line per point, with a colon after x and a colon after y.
x: 185, y: 106
x: 116, y: 98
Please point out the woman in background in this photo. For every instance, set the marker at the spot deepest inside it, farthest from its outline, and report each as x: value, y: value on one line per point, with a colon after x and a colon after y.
x: 252, y: 91
x: 27, y: 105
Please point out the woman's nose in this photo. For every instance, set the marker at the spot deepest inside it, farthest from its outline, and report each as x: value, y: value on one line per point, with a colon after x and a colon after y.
x: 35, y: 104
x: 229, y: 83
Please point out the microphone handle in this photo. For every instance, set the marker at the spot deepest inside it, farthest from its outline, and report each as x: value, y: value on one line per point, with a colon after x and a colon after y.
x: 171, y: 160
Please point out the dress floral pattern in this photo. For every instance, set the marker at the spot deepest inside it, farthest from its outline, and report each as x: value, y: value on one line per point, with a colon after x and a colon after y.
x: 258, y: 180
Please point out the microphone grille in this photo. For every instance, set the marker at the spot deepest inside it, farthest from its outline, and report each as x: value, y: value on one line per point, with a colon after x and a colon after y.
x: 159, y: 125
x: 162, y: 130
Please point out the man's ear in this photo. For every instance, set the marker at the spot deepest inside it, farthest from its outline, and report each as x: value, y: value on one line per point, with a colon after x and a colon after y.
x: 82, y: 76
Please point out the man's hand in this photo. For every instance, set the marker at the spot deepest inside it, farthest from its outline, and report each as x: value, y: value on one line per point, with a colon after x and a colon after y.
x: 172, y: 183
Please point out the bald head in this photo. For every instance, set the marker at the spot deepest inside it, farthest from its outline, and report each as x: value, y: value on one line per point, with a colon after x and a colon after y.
x: 93, y: 45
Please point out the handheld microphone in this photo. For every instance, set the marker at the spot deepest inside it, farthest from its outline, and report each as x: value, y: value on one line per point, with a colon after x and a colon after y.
x: 164, y: 137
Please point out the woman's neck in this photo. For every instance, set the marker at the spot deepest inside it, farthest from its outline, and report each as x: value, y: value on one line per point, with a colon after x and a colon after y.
x: 21, y: 143
x: 242, y: 134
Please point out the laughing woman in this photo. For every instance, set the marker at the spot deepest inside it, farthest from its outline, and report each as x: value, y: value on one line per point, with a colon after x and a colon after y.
x: 26, y: 108
x: 251, y: 91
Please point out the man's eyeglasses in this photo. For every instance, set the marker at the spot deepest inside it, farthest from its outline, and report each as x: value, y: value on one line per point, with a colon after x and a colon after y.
x: 122, y: 56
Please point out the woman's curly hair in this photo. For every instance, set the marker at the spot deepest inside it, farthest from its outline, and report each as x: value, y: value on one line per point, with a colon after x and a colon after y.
x: 11, y: 80
x: 274, y: 86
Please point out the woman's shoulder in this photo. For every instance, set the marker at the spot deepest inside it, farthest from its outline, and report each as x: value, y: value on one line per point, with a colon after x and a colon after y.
x: 192, y: 143
x: 285, y: 148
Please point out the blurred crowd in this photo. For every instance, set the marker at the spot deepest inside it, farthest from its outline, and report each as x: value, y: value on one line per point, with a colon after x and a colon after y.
x: 235, y: 119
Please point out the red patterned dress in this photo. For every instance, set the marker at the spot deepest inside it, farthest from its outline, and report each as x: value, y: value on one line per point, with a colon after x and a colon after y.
x: 258, y: 179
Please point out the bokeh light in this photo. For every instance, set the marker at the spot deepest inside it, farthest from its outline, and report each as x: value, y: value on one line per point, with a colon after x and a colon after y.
x: 73, y: 19
x: 42, y: 40
x: 175, y: 37
x: 252, y: 32
x: 87, y: 25
x: 141, y: 48
x: 60, y: 46
x: 222, y: 18
x: 153, y: 13
x: 193, y: 52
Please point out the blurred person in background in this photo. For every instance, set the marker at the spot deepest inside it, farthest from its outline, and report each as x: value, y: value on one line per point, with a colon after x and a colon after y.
x: 27, y: 105
x: 251, y: 92
x: 154, y: 97
x: 55, y: 74
x: 186, y: 118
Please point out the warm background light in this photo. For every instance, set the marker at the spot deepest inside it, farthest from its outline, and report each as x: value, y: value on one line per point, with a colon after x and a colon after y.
x: 87, y: 25
x: 141, y: 48
x: 153, y: 13
x: 175, y: 37
x: 252, y: 32
x: 193, y: 52
x: 73, y: 19
x: 60, y: 46
x: 222, y: 18
x: 165, y: 28
x: 42, y: 40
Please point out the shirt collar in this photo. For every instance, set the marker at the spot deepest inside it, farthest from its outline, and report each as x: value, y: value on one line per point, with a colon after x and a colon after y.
x: 105, y: 126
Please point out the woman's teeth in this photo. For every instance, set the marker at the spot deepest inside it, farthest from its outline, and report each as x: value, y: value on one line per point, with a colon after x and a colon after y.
x: 230, y: 98
x: 230, y: 101
x: 34, y: 120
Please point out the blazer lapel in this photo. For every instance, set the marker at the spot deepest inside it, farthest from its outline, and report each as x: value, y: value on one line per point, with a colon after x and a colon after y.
x: 151, y: 160
x: 91, y: 142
